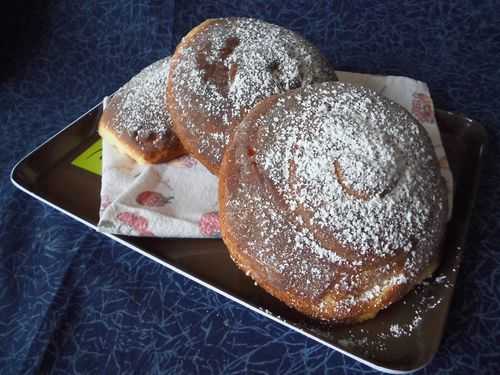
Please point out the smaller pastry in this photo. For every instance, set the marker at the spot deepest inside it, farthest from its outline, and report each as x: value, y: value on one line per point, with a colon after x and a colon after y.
x: 136, y: 120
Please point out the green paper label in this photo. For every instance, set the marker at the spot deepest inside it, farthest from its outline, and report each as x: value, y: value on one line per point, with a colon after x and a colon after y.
x: 90, y: 159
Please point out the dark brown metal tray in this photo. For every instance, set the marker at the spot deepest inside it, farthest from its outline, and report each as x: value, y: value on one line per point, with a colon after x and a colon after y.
x: 402, y: 338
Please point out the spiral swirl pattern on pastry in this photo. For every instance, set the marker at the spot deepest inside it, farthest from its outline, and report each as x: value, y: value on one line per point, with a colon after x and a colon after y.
x: 332, y: 200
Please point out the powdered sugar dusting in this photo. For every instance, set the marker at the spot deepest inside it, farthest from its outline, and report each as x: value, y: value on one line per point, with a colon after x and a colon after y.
x: 354, y: 165
x: 141, y: 111
x: 372, y: 228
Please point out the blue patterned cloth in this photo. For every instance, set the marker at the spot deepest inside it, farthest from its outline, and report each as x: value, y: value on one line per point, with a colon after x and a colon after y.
x: 73, y: 301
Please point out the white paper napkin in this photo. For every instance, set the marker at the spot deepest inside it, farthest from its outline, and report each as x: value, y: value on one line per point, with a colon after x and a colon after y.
x: 179, y: 198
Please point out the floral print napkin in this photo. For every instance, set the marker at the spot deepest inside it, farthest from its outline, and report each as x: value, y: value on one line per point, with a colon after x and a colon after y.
x: 176, y: 199
x: 179, y: 198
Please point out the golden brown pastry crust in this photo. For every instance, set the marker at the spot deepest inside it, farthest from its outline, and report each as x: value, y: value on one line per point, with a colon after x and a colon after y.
x: 189, y: 144
x: 340, y: 267
x: 222, y: 68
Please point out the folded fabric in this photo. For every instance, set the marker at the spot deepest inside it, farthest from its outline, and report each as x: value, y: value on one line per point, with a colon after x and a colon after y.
x: 179, y: 198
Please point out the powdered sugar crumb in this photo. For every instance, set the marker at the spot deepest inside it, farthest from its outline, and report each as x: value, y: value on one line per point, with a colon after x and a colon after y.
x: 440, y: 279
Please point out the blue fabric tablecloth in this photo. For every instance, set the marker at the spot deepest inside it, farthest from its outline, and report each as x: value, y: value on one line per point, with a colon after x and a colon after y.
x: 72, y: 301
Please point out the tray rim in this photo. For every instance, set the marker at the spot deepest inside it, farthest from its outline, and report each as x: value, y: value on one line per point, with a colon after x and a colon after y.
x: 263, y: 312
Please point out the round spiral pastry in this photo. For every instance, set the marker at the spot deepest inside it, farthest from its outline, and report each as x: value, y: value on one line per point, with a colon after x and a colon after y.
x: 223, y: 67
x: 331, y: 199
x: 136, y: 120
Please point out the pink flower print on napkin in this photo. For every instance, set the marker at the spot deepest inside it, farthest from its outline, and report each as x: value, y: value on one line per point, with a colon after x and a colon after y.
x: 209, y: 224
x: 152, y: 199
x: 189, y: 161
x: 421, y: 107
x: 186, y: 161
x: 136, y: 222
x: 105, y: 202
